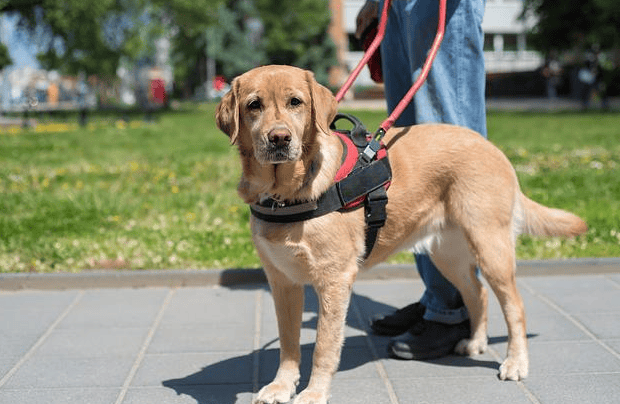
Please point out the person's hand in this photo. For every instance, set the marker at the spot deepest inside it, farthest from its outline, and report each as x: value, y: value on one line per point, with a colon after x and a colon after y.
x: 368, y: 13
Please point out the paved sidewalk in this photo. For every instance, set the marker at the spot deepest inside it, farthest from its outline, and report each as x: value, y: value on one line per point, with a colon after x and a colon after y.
x: 218, y: 344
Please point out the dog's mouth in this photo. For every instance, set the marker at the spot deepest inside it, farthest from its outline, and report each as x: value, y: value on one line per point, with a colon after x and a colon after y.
x: 277, y: 149
x: 277, y: 154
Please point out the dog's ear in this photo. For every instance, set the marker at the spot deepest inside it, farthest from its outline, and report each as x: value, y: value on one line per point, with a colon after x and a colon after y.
x: 324, y: 105
x: 227, y: 113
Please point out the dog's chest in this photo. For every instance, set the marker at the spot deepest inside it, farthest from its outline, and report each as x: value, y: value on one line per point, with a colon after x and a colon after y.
x: 290, y: 258
x: 286, y: 247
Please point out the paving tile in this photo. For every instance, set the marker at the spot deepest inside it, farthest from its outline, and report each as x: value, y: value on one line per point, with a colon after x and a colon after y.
x: 579, y: 294
x: 600, y: 302
x: 81, y: 395
x: 37, y: 301
x: 481, y: 390
x: 7, y: 363
x: 596, y: 388
x: 94, y: 342
x: 615, y: 278
x: 26, y: 315
x: 539, y: 328
x: 356, y: 363
x: 533, y: 305
x: 384, y: 297
x: 603, y: 325
x: 202, y: 338
x: 589, y: 284
x: 451, y: 366
x: 15, y: 343
x: 614, y: 344
x: 182, y: 394
x: 220, y: 306
x: 193, y: 369
x: 359, y: 391
x: 55, y: 371
x: 116, y: 308
x: 566, y: 357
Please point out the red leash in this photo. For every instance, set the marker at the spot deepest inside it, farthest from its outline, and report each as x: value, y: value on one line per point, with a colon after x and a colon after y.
x: 389, y: 122
x: 369, y: 52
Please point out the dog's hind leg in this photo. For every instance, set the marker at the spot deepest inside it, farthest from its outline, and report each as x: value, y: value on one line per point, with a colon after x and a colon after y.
x: 497, y: 262
x: 289, y: 303
x: 454, y: 259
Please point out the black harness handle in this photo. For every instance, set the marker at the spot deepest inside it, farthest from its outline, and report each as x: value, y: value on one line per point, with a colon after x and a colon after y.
x: 358, y: 134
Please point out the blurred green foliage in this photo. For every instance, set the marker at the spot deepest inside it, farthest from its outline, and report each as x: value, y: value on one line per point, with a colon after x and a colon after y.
x: 97, y: 36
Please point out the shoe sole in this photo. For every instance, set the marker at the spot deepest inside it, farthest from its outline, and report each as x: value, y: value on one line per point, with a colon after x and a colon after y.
x: 408, y: 355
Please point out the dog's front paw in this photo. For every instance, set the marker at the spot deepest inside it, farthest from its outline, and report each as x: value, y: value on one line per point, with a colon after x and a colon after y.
x: 471, y: 347
x: 311, y: 397
x: 514, y: 369
x: 275, y: 392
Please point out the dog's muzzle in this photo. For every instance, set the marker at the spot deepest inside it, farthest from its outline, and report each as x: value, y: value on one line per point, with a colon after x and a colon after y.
x: 279, y: 147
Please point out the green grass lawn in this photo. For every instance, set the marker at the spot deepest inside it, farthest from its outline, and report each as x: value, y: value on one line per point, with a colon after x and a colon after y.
x: 163, y: 195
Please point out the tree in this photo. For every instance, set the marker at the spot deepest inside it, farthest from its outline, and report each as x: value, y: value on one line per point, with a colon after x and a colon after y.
x: 75, y: 35
x: 574, y: 24
x: 235, y: 40
x: 5, y: 58
x: 248, y: 33
x: 94, y: 35
x: 295, y: 33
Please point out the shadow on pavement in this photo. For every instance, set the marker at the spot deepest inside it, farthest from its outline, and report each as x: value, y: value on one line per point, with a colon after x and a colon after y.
x: 224, y: 381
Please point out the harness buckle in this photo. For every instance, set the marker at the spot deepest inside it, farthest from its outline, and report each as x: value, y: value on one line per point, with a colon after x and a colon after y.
x: 375, y: 207
x: 370, y: 152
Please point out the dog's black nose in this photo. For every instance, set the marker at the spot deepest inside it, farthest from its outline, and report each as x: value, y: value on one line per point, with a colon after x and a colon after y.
x: 279, y: 137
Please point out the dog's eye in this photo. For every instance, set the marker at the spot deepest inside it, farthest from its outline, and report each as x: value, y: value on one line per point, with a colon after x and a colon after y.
x: 295, y: 101
x: 254, y: 105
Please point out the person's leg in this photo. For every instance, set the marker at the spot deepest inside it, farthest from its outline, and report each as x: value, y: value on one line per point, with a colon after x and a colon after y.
x: 409, y: 34
x: 453, y: 93
x: 442, y: 301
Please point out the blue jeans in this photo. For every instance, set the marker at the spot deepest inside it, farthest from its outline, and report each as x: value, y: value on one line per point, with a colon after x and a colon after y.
x: 453, y: 93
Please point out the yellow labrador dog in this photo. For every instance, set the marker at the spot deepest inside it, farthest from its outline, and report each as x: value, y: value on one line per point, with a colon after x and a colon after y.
x: 453, y: 195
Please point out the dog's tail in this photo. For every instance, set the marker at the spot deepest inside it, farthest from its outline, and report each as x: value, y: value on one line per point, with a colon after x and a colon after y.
x: 539, y: 220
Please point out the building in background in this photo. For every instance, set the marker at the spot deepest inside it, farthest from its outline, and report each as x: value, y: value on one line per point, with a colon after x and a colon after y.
x: 505, y: 38
x: 506, y: 48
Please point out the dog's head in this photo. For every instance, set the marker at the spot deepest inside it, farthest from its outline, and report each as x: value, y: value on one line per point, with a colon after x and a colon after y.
x: 273, y: 113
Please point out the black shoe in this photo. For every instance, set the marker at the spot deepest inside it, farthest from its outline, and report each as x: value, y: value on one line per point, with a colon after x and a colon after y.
x: 428, y: 340
x: 399, y: 321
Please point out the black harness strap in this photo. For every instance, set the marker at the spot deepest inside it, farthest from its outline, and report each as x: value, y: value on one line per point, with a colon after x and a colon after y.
x: 375, y: 216
x: 359, y: 183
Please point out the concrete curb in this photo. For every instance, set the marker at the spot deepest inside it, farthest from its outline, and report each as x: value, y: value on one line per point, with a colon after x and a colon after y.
x: 240, y: 277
